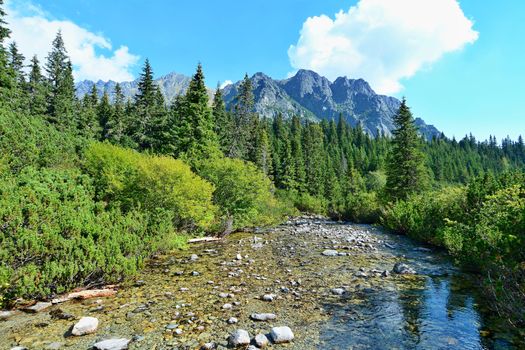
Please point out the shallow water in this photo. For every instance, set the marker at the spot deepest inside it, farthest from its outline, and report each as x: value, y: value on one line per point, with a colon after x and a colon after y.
x: 436, y: 309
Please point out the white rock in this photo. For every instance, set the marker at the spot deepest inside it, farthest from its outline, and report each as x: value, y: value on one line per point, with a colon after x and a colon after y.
x: 338, y: 291
x: 239, y: 338
x: 4, y: 315
x: 227, y: 306
x: 330, y: 252
x: 86, y: 325
x: 40, y: 306
x: 263, y: 317
x: 194, y: 257
x: 112, y: 344
x: 281, y: 335
x: 261, y: 340
x: 232, y: 320
x: 268, y: 297
x: 238, y: 257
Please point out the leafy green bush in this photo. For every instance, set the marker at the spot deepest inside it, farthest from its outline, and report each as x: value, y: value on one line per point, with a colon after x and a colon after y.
x: 26, y: 140
x: 55, y: 237
x: 130, y: 180
x: 362, y: 207
x: 242, y: 191
x: 423, y: 216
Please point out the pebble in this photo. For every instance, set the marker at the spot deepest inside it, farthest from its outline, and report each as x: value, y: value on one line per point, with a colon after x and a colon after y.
x: 209, y: 346
x: 330, y: 252
x: 239, y: 338
x: 112, y: 344
x: 263, y: 317
x: 261, y: 340
x: 238, y: 257
x: 403, y: 269
x: 227, y: 306
x: 233, y: 320
x: 338, y: 291
x: 86, y: 325
x: 40, y: 306
x: 268, y: 297
x: 281, y: 335
x: 194, y: 257
x: 19, y: 348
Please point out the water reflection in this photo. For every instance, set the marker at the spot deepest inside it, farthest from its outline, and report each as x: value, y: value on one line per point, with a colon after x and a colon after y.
x: 430, y: 313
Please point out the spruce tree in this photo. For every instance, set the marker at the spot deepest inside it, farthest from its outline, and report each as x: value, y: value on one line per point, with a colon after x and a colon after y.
x: 223, y: 122
x: 61, y: 85
x: 406, y: 173
x: 195, y: 137
x: 243, y: 117
x: 104, y: 114
x: 36, y: 89
x: 116, y: 123
x: 7, y: 79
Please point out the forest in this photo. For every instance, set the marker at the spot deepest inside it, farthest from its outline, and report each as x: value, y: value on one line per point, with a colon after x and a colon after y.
x: 92, y: 187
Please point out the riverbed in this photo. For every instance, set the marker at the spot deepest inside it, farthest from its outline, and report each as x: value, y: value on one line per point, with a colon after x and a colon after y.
x: 332, y: 283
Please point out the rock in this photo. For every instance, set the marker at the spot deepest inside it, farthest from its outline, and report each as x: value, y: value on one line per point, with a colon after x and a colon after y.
x: 86, y: 325
x: 4, y: 315
x: 281, y: 335
x: 403, y: 269
x: 19, y: 348
x: 268, y: 297
x: 239, y: 338
x: 238, y: 257
x: 112, y: 344
x: 140, y: 283
x: 85, y: 294
x: 227, y: 306
x: 385, y: 273
x: 171, y: 326
x: 40, y: 306
x: 261, y: 341
x: 330, y: 252
x: 59, y: 314
x: 54, y: 346
x: 338, y: 291
x: 195, y: 273
x: 263, y: 317
x: 391, y: 246
x: 194, y: 257
x: 251, y: 347
x: 232, y: 320
x: 209, y: 346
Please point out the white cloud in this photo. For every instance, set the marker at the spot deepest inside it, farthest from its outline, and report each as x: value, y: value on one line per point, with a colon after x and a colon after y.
x: 34, y: 30
x: 382, y: 41
x: 226, y: 83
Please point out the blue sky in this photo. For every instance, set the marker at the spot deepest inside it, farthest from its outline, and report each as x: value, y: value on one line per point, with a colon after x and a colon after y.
x: 470, y: 80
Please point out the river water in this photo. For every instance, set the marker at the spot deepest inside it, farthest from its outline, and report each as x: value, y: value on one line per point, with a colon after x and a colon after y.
x: 178, y: 303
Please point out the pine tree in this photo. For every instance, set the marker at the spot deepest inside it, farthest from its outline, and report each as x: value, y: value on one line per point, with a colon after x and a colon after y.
x: 195, y: 137
x: 406, y: 173
x: 243, y: 117
x: 223, y: 122
x: 61, y: 90
x: 36, y: 89
x: 104, y: 114
x: 7, y: 79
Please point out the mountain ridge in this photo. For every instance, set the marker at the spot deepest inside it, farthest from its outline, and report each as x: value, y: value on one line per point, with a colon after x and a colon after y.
x: 306, y: 94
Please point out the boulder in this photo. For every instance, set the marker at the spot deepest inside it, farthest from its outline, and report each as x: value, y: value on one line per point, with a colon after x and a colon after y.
x: 112, y: 344
x: 403, y: 269
x: 281, y: 335
x: 86, y: 325
x: 261, y: 340
x: 239, y: 338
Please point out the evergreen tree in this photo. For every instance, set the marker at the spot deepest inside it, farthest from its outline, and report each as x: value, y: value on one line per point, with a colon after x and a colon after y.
x: 195, y: 137
x: 406, y: 172
x: 243, y: 117
x: 36, y: 89
x: 7, y: 79
x: 104, y: 114
x: 223, y: 122
x: 61, y: 90
x: 116, y: 128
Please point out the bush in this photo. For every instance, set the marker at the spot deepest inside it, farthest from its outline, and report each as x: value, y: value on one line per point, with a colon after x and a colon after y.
x: 362, y: 207
x: 31, y: 141
x: 242, y: 192
x: 129, y: 180
x: 423, y: 216
x: 54, y: 237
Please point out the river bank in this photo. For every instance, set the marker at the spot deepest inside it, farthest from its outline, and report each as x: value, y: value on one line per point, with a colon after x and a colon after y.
x: 333, y: 284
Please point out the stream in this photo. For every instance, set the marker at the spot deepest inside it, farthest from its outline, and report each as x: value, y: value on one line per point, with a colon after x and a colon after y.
x: 332, y: 283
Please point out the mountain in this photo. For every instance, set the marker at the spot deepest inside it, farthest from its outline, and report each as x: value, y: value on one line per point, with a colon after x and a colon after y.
x: 306, y: 94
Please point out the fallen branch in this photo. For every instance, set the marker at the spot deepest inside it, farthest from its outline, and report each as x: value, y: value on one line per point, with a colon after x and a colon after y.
x: 85, y: 294
x: 204, y: 239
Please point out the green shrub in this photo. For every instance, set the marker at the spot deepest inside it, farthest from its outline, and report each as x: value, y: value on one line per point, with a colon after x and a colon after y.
x: 242, y: 191
x: 55, y: 237
x: 362, y: 207
x: 130, y: 180
x: 423, y: 216
x: 31, y: 141
x: 305, y: 202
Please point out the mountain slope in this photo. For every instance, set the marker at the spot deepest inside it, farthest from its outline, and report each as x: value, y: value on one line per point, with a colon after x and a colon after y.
x: 306, y: 94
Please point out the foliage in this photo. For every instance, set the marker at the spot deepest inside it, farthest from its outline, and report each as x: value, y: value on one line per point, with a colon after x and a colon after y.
x: 242, y: 192
x: 129, y: 180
